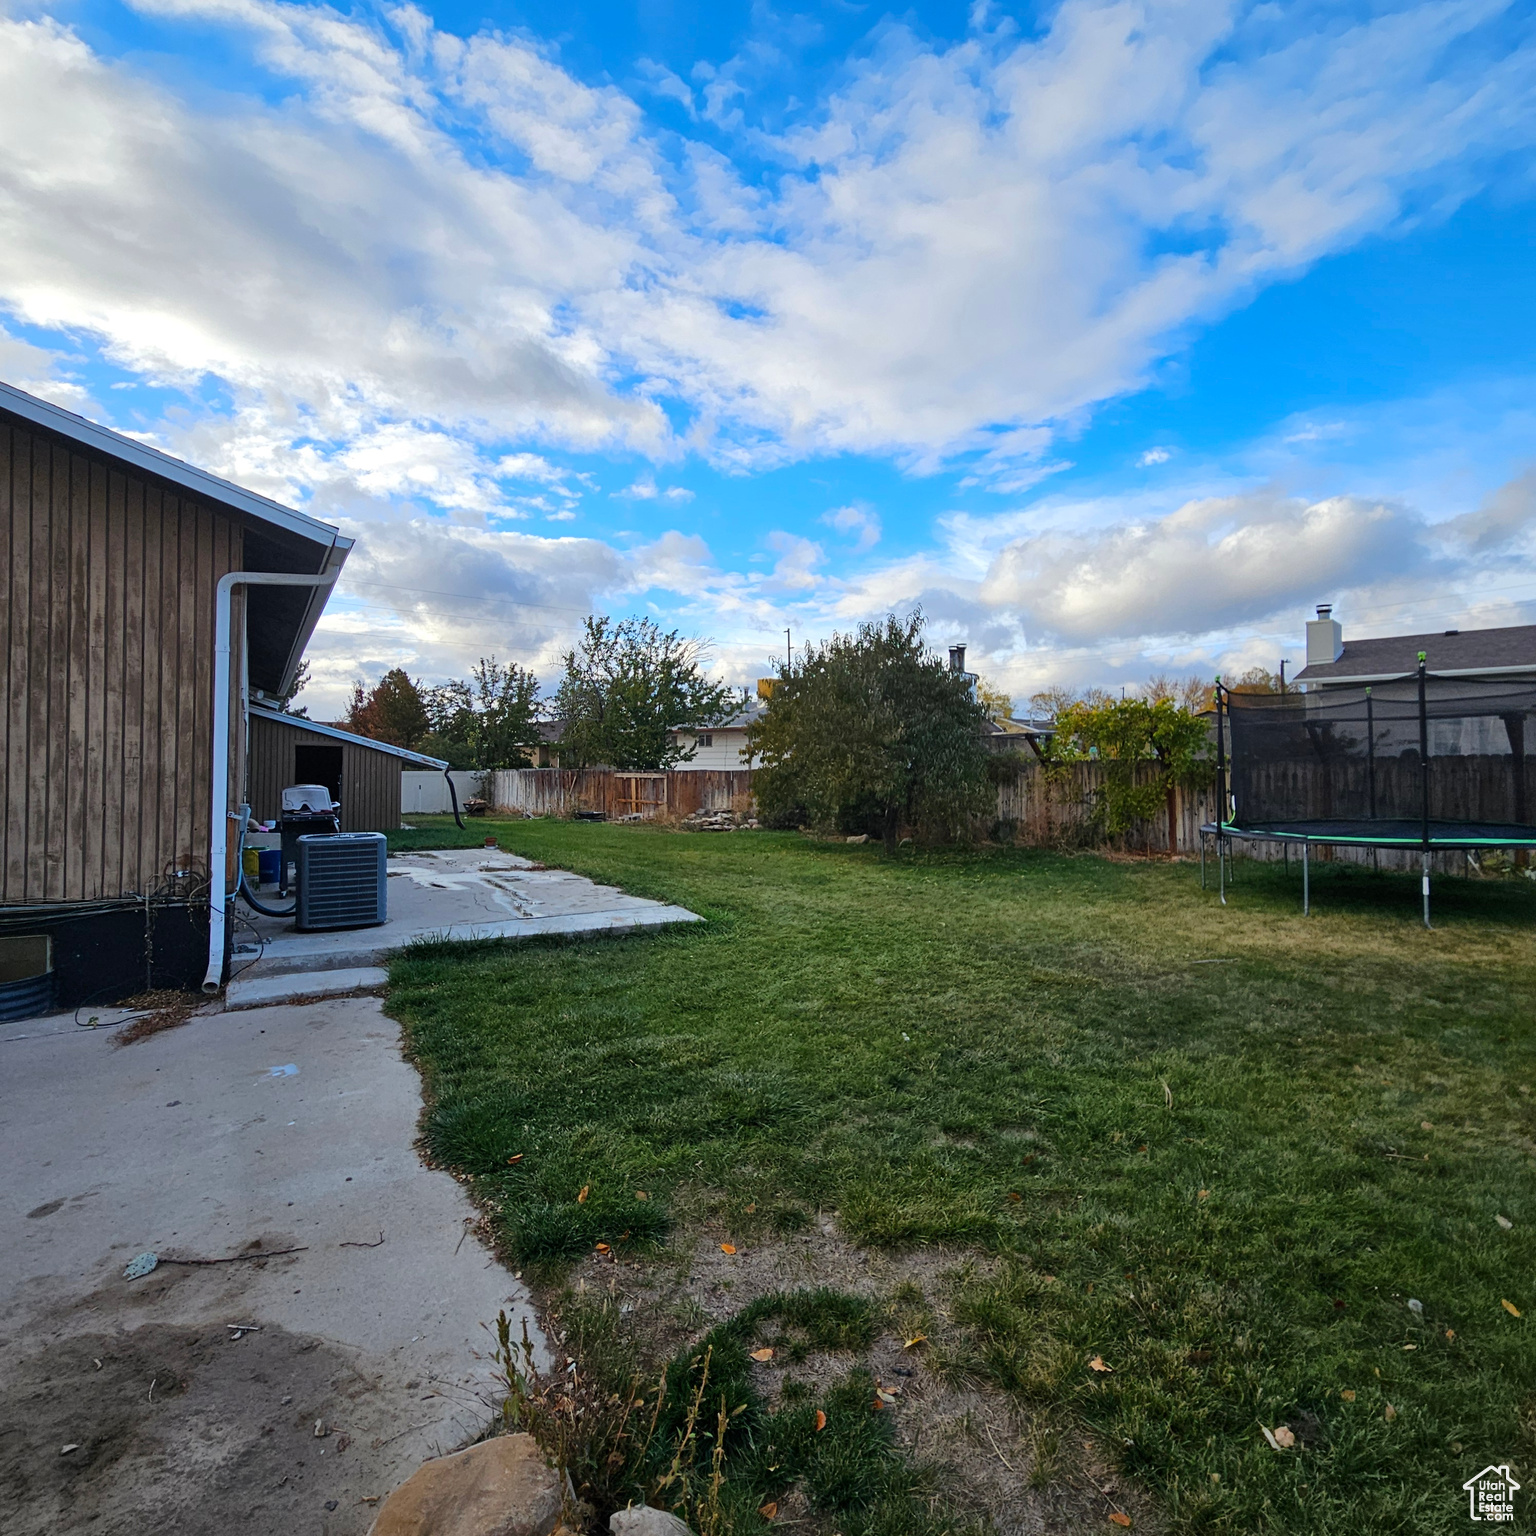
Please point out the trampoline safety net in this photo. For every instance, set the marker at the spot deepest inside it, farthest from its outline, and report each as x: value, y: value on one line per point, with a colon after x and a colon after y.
x: 1419, y: 761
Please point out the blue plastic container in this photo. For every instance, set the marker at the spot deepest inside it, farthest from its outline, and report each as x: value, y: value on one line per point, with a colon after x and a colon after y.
x: 270, y: 862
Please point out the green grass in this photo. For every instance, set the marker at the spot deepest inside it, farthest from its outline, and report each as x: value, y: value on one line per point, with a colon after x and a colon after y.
x: 980, y: 1051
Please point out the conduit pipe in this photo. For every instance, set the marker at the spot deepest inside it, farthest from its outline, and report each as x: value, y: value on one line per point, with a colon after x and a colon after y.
x: 219, y: 824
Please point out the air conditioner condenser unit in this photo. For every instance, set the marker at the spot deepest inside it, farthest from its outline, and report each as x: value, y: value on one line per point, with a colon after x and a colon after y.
x: 341, y: 881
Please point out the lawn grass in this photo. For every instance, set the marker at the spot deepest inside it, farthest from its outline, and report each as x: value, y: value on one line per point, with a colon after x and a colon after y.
x: 1219, y: 1149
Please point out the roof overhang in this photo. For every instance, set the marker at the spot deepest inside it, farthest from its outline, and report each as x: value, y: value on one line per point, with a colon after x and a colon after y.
x: 1525, y: 669
x: 300, y: 723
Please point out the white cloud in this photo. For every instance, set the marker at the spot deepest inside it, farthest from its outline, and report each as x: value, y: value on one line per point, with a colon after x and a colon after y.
x: 857, y: 522
x: 1154, y: 456
x: 646, y: 489
x: 969, y: 247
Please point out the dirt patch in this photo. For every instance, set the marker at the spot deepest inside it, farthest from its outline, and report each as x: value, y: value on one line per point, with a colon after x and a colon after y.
x: 190, y: 1430
x: 996, y: 1465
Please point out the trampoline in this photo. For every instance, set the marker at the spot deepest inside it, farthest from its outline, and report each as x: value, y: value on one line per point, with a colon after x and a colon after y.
x: 1426, y: 761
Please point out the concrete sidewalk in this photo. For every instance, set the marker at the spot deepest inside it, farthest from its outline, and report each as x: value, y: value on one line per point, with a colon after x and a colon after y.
x: 283, y: 1127
x: 460, y: 893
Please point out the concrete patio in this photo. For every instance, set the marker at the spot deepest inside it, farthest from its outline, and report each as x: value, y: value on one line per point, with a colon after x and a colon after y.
x: 276, y: 1128
x: 461, y: 893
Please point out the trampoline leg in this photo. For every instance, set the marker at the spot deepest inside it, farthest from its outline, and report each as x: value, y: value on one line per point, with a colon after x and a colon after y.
x: 1221, y: 866
x: 1426, y: 891
x: 1306, y: 880
x: 1202, y: 861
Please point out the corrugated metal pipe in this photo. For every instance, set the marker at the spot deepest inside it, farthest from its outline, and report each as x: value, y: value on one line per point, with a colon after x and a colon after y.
x: 219, y: 825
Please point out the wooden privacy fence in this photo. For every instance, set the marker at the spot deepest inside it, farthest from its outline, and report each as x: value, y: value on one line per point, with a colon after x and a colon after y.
x: 1033, y: 809
x: 613, y: 793
x: 1043, y: 809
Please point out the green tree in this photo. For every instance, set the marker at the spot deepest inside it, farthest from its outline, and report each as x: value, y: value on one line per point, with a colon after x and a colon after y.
x: 995, y: 703
x: 485, y: 721
x: 872, y: 728
x: 393, y: 712
x: 1127, y: 737
x: 627, y: 686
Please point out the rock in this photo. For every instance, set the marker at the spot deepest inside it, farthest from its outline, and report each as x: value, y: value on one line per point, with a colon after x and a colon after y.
x: 863, y: 837
x: 501, y: 1487
x: 640, y: 1520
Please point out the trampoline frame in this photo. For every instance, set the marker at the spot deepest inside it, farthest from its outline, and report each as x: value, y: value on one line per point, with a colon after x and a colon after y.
x: 1225, y: 831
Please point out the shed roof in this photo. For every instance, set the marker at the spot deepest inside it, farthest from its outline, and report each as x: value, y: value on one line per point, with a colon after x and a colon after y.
x: 302, y: 723
x: 1472, y: 651
x: 277, y: 538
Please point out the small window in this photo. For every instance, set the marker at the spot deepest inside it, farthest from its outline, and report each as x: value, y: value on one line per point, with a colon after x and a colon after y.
x: 704, y: 739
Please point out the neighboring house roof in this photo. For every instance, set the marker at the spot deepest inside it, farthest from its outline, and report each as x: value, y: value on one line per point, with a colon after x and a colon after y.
x: 744, y: 717
x: 550, y: 731
x: 300, y: 723
x: 280, y: 619
x: 1472, y: 651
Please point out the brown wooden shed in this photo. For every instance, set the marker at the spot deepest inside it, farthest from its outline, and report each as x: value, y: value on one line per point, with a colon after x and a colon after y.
x: 111, y: 554
x: 363, y: 775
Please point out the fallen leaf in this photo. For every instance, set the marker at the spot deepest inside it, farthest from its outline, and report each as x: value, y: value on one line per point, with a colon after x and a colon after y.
x: 640, y: 1194
x: 1097, y: 1364
x: 1504, y: 1222
x: 1116, y: 1518
x: 751, y: 1208
x: 915, y: 1340
x: 1269, y: 1437
x: 1348, y: 1394
x: 885, y: 1395
x: 1450, y: 1333
x: 1509, y: 1307
x: 1285, y: 1437
x: 1390, y: 1413
x: 1049, y: 1279
x: 769, y: 1510
x: 581, y: 1199
x: 762, y: 1354
x: 1424, y: 1125
x: 878, y: 1406
x: 1015, y: 1196
x: 515, y: 1159
x: 64, y: 1450
x: 602, y: 1247
x: 1410, y: 1346
x: 821, y: 1421
x: 727, y: 1247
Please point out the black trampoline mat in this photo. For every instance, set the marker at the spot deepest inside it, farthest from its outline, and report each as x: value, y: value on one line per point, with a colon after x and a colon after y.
x: 1391, y: 834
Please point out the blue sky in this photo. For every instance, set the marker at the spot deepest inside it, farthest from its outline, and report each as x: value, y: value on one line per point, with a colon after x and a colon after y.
x: 1116, y: 335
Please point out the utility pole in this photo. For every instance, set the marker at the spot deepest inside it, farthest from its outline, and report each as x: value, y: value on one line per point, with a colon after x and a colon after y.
x: 789, y: 656
x: 1282, y: 674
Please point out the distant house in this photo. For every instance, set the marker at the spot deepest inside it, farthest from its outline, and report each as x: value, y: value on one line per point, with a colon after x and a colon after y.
x: 547, y: 753
x: 1010, y: 735
x: 719, y: 746
x: 1506, y: 654
x: 129, y: 582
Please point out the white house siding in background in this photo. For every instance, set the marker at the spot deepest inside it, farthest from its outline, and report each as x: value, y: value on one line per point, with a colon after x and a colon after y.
x: 727, y: 748
x: 426, y: 793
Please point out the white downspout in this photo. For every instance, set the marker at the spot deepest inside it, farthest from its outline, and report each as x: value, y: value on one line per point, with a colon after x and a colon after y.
x: 219, y: 825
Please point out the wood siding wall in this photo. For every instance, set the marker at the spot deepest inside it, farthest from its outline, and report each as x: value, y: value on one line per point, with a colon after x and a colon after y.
x: 107, y: 586
x: 370, y: 780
